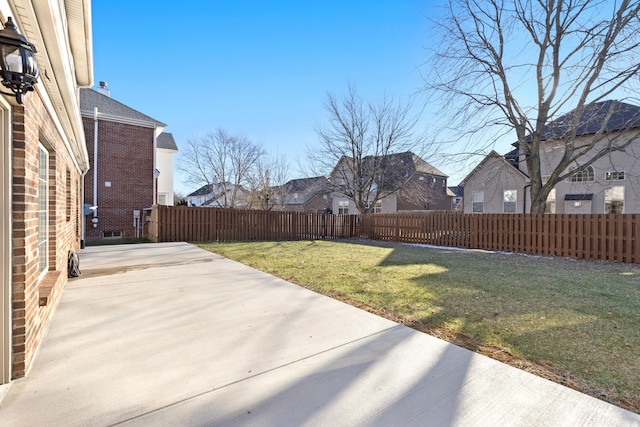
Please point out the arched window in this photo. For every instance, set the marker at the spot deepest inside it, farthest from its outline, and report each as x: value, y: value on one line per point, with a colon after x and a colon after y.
x: 585, y: 175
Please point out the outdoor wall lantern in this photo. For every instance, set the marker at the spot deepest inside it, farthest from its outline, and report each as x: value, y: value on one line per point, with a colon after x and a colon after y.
x: 19, y: 69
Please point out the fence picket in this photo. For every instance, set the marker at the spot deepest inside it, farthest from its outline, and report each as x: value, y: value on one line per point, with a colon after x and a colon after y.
x: 609, y: 237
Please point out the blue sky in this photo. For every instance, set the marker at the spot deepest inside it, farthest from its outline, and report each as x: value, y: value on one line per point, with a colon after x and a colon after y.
x: 258, y: 68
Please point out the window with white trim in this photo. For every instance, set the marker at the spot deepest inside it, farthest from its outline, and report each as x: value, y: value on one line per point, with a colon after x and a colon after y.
x: 585, y: 175
x: 478, y: 201
x: 43, y: 209
x: 378, y: 207
x: 614, y: 176
x: 510, y: 201
x: 343, y: 207
x: 614, y: 200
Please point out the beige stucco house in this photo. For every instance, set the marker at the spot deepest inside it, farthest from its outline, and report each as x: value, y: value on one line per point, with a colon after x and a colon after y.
x: 496, y: 185
x: 591, y: 185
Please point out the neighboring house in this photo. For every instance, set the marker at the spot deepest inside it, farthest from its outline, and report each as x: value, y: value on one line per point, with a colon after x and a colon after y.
x: 165, y: 150
x: 213, y: 196
x: 409, y: 184
x: 43, y: 157
x: 496, y: 185
x: 131, y: 170
x: 457, y: 198
x: 611, y: 184
x: 304, y: 195
x: 201, y: 196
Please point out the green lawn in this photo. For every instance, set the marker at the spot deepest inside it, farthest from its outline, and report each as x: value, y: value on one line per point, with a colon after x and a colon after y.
x: 572, y: 316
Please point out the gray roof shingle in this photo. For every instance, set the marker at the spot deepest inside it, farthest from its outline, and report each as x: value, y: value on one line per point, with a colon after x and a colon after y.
x: 89, y: 99
x: 397, y: 167
x: 623, y: 117
x: 202, y: 191
x: 166, y: 141
x: 304, y: 184
x: 400, y: 166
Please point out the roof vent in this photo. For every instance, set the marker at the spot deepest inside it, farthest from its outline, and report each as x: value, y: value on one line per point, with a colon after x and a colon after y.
x: 104, y: 89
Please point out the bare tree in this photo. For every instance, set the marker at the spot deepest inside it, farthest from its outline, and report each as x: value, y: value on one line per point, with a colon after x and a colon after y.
x: 266, y: 182
x: 517, y: 65
x: 222, y: 161
x: 355, y: 142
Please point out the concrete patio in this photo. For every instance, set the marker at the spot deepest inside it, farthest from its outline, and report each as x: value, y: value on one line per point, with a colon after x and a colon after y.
x: 169, y: 334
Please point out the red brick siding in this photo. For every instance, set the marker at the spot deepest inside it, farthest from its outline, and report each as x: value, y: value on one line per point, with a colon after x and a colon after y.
x: 31, y: 125
x: 125, y: 158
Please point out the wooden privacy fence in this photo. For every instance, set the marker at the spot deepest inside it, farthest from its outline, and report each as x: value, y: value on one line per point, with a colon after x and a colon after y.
x: 605, y: 237
x: 196, y: 224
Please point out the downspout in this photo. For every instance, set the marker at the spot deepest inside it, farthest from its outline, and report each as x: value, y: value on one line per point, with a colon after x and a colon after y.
x: 155, y: 167
x: 95, y: 166
x: 83, y: 217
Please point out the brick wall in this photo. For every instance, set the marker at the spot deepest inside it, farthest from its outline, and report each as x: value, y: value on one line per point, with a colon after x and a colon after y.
x: 125, y: 159
x: 34, y: 296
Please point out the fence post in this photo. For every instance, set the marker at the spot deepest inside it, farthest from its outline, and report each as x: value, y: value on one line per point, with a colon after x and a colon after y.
x: 610, y: 237
x: 153, y: 224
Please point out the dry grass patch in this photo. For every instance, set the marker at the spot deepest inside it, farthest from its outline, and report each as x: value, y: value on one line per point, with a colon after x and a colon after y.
x: 573, y: 321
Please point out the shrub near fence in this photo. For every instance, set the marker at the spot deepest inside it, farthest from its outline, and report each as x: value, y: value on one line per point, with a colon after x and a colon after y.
x: 605, y: 237
x: 198, y: 224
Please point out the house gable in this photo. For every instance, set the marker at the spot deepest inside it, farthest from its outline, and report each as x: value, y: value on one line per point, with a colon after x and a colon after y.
x: 489, y: 180
x: 407, y: 183
x: 302, y: 195
x: 112, y: 110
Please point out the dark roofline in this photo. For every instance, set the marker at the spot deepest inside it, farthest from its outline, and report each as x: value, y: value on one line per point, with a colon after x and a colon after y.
x: 202, y: 191
x: 623, y: 117
x: 492, y: 154
x: 419, y: 163
x: 166, y: 141
x: 112, y: 109
x: 578, y: 196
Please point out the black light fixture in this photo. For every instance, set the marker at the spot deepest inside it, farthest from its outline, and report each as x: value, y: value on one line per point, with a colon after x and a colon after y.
x: 19, y: 69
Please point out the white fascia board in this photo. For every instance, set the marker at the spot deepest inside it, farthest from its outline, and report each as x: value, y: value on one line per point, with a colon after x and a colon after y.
x: 166, y: 150
x: 41, y: 20
x: 81, y: 39
x: 159, y: 127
